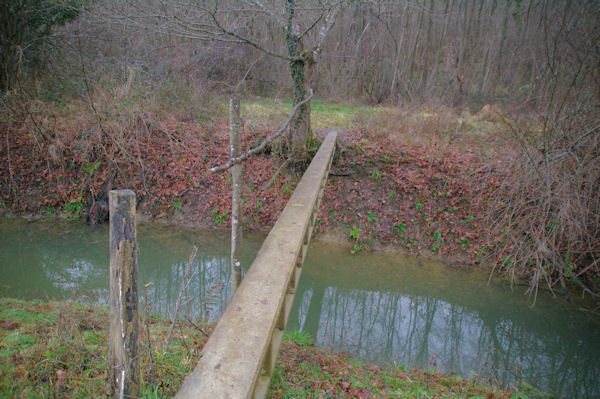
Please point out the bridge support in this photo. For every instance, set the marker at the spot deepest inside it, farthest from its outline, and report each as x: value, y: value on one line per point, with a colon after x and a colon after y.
x: 239, y: 357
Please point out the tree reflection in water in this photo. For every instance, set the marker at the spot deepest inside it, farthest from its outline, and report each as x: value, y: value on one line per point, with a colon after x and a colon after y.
x: 378, y: 307
x: 426, y: 332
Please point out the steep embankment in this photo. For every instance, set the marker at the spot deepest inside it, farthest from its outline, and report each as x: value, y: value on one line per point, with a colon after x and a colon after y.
x: 422, y: 191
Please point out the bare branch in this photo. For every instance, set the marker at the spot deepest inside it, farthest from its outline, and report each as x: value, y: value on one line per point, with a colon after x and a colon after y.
x: 184, y: 284
x: 261, y: 147
x: 329, y: 22
x: 269, y: 12
x: 311, y: 26
x: 244, y: 39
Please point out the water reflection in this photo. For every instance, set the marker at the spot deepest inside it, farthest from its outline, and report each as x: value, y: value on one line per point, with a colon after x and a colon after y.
x: 61, y: 260
x: 380, y: 308
x: 430, y: 320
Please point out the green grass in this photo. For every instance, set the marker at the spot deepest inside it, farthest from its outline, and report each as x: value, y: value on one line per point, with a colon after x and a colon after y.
x: 323, y: 113
x: 299, y: 337
x: 59, y: 350
x: 304, y: 371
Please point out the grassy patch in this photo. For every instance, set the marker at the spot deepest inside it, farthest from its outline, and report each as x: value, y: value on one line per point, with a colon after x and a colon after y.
x: 299, y: 337
x: 307, y: 372
x: 60, y: 350
x: 323, y: 114
x: 422, y: 125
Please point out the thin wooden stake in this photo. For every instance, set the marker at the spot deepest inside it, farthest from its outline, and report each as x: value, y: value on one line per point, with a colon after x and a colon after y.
x: 236, y: 200
x: 124, y: 369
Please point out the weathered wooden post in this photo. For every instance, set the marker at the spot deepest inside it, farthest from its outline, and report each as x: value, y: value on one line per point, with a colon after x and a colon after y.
x: 123, y: 359
x: 235, y: 124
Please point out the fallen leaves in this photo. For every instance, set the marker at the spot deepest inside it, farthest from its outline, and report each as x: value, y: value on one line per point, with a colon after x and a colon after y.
x: 9, y: 324
x: 170, y: 167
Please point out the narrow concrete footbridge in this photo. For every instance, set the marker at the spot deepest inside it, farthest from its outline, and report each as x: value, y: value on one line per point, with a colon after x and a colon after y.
x: 240, y: 355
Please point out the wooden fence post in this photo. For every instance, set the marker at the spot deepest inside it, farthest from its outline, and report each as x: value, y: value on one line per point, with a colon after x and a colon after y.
x: 123, y: 355
x: 236, y: 201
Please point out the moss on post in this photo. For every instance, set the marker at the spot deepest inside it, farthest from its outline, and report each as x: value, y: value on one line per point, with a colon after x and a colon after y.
x: 123, y: 352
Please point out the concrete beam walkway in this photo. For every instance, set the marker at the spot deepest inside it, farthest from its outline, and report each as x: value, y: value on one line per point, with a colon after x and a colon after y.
x: 239, y: 357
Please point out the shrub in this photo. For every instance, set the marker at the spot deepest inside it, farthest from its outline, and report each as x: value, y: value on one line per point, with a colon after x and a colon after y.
x: 24, y: 27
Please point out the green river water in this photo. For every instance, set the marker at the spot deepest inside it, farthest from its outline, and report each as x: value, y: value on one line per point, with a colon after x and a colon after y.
x: 378, y: 307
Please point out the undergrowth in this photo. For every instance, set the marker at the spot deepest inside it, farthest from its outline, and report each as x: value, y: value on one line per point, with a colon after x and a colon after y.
x: 304, y: 371
x: 424, y: 179
x: 59, y: 350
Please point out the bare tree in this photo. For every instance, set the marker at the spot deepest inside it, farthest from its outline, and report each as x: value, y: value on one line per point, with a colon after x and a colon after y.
x: 263, y: 25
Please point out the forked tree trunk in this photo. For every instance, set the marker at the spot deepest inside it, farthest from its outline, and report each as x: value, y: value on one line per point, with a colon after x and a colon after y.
x: 299, y: 130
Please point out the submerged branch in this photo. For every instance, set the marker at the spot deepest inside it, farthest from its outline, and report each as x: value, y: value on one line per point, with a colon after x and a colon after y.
x: 184, y: 284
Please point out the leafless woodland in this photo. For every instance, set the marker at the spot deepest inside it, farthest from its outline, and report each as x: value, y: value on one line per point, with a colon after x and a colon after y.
x: 538, y: 60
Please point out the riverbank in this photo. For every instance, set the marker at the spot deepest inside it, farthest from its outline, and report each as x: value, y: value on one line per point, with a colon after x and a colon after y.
x: 59, y: 349
x: 412, y: 188
x: 425, y: 180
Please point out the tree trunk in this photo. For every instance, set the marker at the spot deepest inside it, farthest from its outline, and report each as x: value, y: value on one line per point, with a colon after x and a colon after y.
x: 459, y: 92
x: 299, y: 131
x: 426, y: 62
x: 499, y: 57
x: 413, y: 52
x: 438, y: 56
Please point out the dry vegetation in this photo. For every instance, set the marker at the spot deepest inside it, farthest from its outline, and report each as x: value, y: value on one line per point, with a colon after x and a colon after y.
x: 484, y: 142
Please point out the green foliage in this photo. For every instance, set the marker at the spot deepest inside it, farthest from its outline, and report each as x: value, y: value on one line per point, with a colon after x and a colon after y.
x: 355, y: 236
x: 318, y: 224
x: 151, y: 392
x: 176, y: 204
x: 377, y: 174
x: 372, y: 216
x: 331, y: 215
x: 91, y: 168
x: 399, y: 228
x: 286, y: 189
x: 302, y: 338
x: 24, y: 27
x: 323, y: 114
x: 528, y: 391
x: 419, y: 205
x: 392, y: 194
x: 62, y: 348
x: 218, y: 218
x: 304, y: 371
x: 50, y: 211
x: 259, y: 204
x: 437, y: 236
x: 74, y: 208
